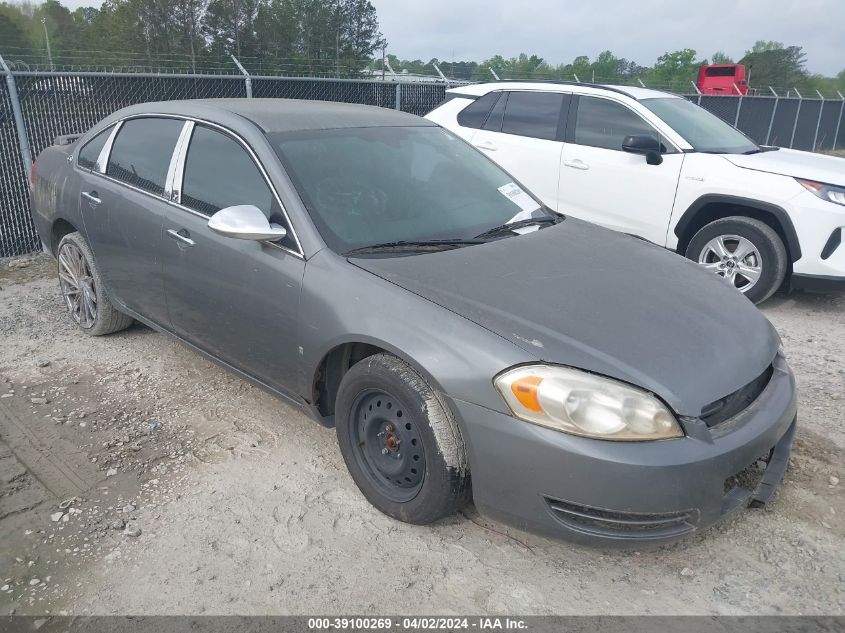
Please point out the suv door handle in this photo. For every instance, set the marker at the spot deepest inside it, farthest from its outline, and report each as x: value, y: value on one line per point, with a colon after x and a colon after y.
x: 576, y: 164
x: 486, y: 145
x: 91, y: 197
x: 181, y: 237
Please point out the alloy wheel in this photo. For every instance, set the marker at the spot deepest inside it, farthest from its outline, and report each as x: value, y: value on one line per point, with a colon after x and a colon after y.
x: 734, y: 258
x: 77, y: 284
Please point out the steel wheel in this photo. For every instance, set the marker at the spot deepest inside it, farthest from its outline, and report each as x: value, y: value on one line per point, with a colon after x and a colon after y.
x: 734, y: 258
x: 388, y: 445
x: 77, y: 284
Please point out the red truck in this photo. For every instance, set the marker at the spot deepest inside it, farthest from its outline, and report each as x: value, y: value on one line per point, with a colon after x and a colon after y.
x: 722, y: 79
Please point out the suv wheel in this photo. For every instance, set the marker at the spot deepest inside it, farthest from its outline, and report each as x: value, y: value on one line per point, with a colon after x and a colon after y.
x: 82, y: 289
x: 747, y: 253
x: 400, y: 441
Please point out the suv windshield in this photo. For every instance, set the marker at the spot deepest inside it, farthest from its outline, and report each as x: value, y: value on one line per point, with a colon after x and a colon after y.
x: 704, y: 131
x: 386, y: 185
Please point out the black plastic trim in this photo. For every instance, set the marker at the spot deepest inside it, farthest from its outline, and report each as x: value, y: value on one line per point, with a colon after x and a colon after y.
x: 832, y: 244
x: 817, y: 283
x: 778, y: 212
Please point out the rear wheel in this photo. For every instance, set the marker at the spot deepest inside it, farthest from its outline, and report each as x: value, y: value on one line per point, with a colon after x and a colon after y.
x: 82, y: 289
x: 747, y: 253
x: 400, y: 442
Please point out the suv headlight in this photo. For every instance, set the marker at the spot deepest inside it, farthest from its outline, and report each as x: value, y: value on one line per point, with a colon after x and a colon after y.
x: 830, y: 193
x: 584, y: 404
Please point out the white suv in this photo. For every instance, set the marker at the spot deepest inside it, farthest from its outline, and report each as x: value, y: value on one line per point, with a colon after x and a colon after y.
x: 659, y: 167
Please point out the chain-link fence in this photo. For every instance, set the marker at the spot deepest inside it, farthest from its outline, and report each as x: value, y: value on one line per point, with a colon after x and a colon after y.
x: 51, y: 104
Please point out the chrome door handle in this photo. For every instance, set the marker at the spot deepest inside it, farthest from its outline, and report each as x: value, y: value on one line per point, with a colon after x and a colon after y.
x: 576, y: 164
x: 183, y: 239
x: 486, y: 146
x: 91, y: 197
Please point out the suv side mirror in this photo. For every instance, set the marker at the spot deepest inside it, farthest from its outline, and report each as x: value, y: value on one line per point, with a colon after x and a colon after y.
x: 644, y: 144
x: 245, y: 222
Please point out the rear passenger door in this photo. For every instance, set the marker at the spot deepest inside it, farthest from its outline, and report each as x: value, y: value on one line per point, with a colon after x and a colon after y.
x: 235, y: 299
x: 122, y: 202
x: 524, y: 134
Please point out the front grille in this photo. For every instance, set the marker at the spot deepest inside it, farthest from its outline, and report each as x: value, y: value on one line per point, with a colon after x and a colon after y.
x: 628, y: 525
x: 717, y: 412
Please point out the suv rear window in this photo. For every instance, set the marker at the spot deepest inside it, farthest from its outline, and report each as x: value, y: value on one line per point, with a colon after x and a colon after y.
x: 534, y: 114
x: 476, y: 113
x: 141, y: 152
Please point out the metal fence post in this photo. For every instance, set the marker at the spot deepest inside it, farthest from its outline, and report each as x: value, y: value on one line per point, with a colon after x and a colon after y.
x: 247, y: 78
x: 839, y: 122
x: 819, y: 121
x: 23, y: 141
x: 772, y: 118
x: 398, y: 95
x: 738, y: 106
x: 797, y: 115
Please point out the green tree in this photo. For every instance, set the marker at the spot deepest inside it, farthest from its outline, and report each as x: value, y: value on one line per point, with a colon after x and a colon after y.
x: 721, y: 58
x: 675, y: 70
x: 773, y: 64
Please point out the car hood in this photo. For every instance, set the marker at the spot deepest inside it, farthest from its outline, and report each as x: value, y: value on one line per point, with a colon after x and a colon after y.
x: 582, y: 296
x: 790, y: 162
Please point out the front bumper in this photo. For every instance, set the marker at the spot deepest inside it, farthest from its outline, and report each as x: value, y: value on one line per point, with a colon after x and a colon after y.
x: 820, y: 226
x: 627, y: 493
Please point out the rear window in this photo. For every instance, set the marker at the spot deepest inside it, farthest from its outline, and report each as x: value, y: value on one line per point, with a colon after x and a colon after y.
x: 89, y: 154
x: 534, y: 114
x: 141, y: 152
x: 476, y: 113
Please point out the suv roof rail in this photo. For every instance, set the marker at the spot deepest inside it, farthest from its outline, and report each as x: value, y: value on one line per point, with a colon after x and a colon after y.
x: 562, y: 82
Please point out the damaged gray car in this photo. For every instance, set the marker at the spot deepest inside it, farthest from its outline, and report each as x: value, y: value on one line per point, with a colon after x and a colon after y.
x: 464, y: 341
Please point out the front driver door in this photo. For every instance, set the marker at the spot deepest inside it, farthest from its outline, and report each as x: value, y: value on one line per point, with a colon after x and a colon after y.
x: 235, y: 299
x: 603, y: 184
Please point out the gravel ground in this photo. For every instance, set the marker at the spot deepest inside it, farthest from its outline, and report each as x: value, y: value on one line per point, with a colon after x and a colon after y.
x: 138, y: 478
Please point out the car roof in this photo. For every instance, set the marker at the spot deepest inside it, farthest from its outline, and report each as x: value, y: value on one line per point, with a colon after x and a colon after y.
x: 281, y: 115
x: 558, y: 86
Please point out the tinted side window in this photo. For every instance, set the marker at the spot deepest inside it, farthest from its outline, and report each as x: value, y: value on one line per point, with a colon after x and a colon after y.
x: 219, y: 173
x: 475, y: 114
x: 91, y: 151
x: 141, y: 152
x: 605, y: 124
x: 534, y: 114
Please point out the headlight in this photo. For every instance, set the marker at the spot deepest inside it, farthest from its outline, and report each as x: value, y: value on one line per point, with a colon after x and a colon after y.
x: 823, y: 191
x: 580, y: 403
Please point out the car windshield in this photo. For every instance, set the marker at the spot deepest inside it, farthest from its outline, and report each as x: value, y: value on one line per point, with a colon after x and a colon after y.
x: 383, y: 185
x: 704, y: 131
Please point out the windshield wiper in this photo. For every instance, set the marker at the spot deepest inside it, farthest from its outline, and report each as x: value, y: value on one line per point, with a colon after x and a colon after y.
x: 509, y: 227
x: 413, y: 245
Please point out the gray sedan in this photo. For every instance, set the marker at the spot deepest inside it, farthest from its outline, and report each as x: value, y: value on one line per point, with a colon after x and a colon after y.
x: 463, y: 340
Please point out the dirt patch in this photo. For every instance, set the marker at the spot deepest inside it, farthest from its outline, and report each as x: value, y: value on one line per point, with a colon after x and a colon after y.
x: 244, y: 505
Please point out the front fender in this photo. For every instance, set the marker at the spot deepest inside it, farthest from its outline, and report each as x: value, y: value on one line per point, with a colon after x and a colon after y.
x: 342, y: 303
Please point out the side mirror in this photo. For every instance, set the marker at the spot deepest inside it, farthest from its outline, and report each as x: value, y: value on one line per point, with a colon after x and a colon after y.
x: 644, y: 144
x: 245, y: 222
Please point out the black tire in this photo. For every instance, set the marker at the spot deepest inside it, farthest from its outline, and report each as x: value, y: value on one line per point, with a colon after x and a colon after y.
x: 773, y: 257
x: 106, y: 318
x: 417, y: 429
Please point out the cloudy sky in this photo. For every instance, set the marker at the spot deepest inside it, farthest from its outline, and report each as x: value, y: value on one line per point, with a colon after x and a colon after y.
x: 640, y: 30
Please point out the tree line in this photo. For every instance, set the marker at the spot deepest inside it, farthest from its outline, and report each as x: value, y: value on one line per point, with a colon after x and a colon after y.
x: 316, y: 37
x: 770, y: 63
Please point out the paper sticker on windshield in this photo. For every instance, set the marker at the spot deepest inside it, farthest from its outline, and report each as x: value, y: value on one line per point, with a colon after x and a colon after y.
x: 516, y: 195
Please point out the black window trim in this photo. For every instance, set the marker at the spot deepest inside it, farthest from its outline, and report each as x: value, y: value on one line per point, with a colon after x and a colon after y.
x: 177, y: 165
x: 572, y: 120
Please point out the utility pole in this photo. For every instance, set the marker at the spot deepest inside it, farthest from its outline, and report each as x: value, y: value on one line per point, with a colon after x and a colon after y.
x: 47, y: 39
x: 383, y: 57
